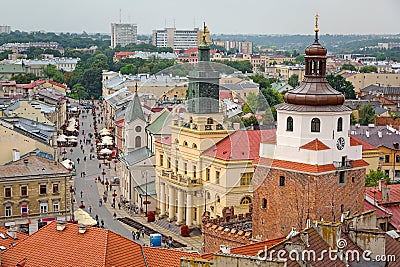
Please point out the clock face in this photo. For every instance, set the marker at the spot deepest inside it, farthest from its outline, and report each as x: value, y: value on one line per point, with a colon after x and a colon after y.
x: 340, y: 143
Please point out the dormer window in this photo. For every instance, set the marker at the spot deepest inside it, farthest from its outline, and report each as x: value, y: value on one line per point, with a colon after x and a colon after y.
x: 289, y: 124
x: 340, y: 124
x: 315, y: 125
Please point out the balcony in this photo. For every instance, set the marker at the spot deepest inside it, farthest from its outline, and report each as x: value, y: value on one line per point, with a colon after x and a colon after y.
x: 180, y: 179
x: 342, y: 165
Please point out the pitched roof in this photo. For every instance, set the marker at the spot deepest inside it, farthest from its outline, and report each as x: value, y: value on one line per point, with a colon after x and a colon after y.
x: 315, y: 145
x: 165, y: 140
x: 161, y: 257
x: 354, y: 141
x: 253, y: 249
x: 8, y: 241
x: 389, y: 135
x: 95, y: 247
x: 380, y: 212
x: 241, y: 145
x: 392, y: 247
x: 134, y: 110
x: 160, y: 122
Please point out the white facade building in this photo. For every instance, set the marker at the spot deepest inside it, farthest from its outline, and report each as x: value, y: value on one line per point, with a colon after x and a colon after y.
x: 123, y: 34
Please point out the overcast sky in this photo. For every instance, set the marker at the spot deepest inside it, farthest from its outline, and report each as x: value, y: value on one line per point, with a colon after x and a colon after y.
x: 222, y: 16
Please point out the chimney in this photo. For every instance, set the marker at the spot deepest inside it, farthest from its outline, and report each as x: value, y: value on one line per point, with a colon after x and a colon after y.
x: 82, y: 229
x: 225, y: 249
x: 386, y: 194
x: 236, y: 126
x: 382, y: 183
x: 304, y: 238
x: 367, y: 133
x: 61, y: 225
x: 26, y: 162
x: 12, y: 232
x: 15, y: 154
x: 380, y: 134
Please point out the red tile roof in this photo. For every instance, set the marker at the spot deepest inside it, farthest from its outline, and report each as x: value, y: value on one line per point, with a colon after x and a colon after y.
x: 165, y: 141
x: 8, y: 240
x: 354, y: 141
x: 123, y: 54
x: 374, y: 192
x: 95, y: 247
x: 315, y: 145
x: 392, y: 247
x: 253, y: 249
x: 120, y: 123
x: 225, y: 94
x: 380, y: 212
x: 36, y: 83
x: 241, y: 145
x: 161, y: 257
x: 395, y: 219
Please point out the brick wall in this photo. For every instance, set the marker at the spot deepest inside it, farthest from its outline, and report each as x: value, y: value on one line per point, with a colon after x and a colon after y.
x: 288, y: 206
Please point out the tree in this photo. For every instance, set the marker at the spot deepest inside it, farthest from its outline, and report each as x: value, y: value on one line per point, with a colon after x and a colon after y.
x: 78, y: 92
x: 128, y: 69
x: 51, y: 72
x: 368, y: 69
x: 252, y: 100
x: 348, y: 66
x: 353, y: 120
x: 272, y: 96
x: 367, y: 115
x: 262, y: 81
x: 247, y: 109
x: 293, y: 80
x: 262, y: 103
x: 373, y: 177
x: 300, y: 59
x: 340, y: 84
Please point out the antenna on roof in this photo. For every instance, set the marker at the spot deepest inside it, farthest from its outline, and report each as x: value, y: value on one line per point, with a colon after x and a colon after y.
x: 120, y: 15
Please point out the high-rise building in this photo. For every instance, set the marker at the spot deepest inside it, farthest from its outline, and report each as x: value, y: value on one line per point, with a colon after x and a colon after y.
x: 123, y: 34
x: 179, y: 39
x: 5, y: 29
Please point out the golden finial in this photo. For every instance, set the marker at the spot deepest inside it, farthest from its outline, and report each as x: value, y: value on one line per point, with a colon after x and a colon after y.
x: 316, y: 22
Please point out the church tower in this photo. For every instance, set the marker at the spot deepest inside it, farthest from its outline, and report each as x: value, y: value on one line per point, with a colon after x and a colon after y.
x: 314, y: 170
x: 135, y: 123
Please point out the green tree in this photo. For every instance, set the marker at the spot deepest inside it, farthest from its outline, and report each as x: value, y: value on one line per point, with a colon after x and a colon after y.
x: 340, y: 84
x: 293, y: 80
x: 353, y: 120
x: 247, y: 109
x: 300, y: 59
x: 262, y: 103
x: 348, y: 66
x: 250, y: 121
x: 78, y: 92
x: 252, y: 100
x: 24, y: 78
x: 128, y: 69
x: 91, y: 80
x: 373, y: 177
x: 367, y: 115
x: 272, y: 96
x: 368, y: 69
x: 51, y: 72
x: 262, y: 81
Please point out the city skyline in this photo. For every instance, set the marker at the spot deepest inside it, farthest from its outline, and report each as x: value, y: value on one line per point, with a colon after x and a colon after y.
x: 285, y: 17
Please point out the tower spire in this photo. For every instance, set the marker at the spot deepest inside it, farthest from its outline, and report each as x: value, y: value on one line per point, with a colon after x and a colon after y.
x: 316, y: 29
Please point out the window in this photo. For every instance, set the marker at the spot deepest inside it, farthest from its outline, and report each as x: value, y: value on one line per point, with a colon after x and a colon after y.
x: 387, y: 158
x: 289, y: 124
x: 138, y: 141
x: 210, y: 121
x: 55, y: 188
x: 352, y: 179
x: 169, y: 163
x: 138, y: 129
x: 341, y: 177
x: 161, y: 160
x: 281, y: 180
x: 194, y: 146
x: 264, y: 203
x: 8, y: 211
x: 245, y: 179
x: 194, y: 171
x: 217, y: 173
x: 176, y: 166
x: 24, y: 209
x: 43, y: 189
x: 56, y: 206
x: 195, y: 214
x: 340, y: 124
x: 185, y: 143
x: 245, y: 201
x: 397, y: 158
x: 218, y: 199
x: 43, y: 207
x: 7, y: 192
x: 207, y: 174
x: 24, y: 190
x: 341, y: 208
x: 315, y: 125
x: 185, y: 167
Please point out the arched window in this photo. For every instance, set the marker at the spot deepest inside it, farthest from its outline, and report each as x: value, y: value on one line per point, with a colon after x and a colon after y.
x: 218, y: 199
x: 245, y: 201
x: 194, y: 145
x: 289, y: 124
x: 210, y: 121
x: 315, y: 125
x: 138, y: 141
x: 264, y: 203
x: 340, y: 124
x: 138, y: 129
x: 185, y: 143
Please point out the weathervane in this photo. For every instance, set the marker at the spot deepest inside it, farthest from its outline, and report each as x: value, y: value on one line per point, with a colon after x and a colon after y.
x: 316, y: 22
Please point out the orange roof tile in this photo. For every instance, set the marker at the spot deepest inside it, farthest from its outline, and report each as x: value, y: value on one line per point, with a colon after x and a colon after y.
x: 315, y: 145
x: 354, y: 141
x: 95, y: 247
x: 359, y: 163
x: 253, y: 249
x: 241, y: 145
x: 8, y: 240
x: 296, y: 166
x: 165, y: 141
x: 161, y: 257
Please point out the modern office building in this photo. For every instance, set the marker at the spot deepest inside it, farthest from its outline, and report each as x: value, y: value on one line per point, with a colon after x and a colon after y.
x: 179, y: 39
x: 123, y: 34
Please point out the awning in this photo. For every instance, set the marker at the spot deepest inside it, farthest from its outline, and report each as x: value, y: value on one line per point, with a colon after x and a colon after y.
x: 84, y: 218
x: 105, y: 151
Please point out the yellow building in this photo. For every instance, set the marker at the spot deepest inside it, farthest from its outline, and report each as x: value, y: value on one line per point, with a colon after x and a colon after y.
x: 370, y: 154
x: 27, y: 109
x: 362, y: 80
x: 33, y: 188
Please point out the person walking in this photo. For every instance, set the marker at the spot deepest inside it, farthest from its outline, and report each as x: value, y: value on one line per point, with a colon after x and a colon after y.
x: 133, y: 234
x: 78, y: 160
x: 114, y: 215
x: 100, y: 202
x: 81, y: 194
x: 90, y: 209
x: 84, y: 158
x: 119, y: 205
x: 102, y: 223
x: 143, y: 230
x: 97, y: 218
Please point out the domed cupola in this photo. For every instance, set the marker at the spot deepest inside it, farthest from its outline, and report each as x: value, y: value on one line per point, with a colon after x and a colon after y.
x: 315, y: 89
